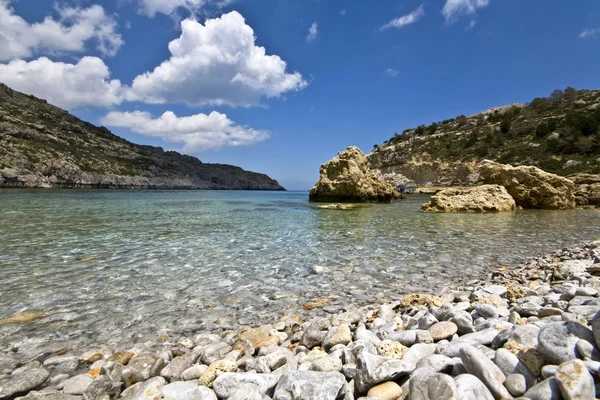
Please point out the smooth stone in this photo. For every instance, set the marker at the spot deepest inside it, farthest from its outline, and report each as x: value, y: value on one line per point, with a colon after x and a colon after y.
x: 586, y: 311
x: 312, y: 336
x: 463, y: 321
x: 193, y: 372
x: 327, y: 364
x: 557, y: 340
x: 23, y: 380
x: 141, y: 362
x: 418, y: 352
x: 77, y: 384
x: 426, y: 384
x: 131, y: 376
x: 215, y: 369
x: 362, y: 333
x: 427, y: 321
x: 437, y: 362
x: 527, y: 335
x: 151, y: 389
x: 596, y: 329
x: 406, y: 338
x: 516, y: 384
x: 574, y: 381
x: 546, y: 390
x: 549, y: 370
x: 311, y: 385
x: 186, y: 391
x: 373, y: 369
x: 248, y: 392
x: 338, y: 335
x: 50, y: 396
x: 587, y: 350
x: 483, y: 337
x: 476, y: 363
x: 256, y: 335
x: 226, y: 384
x: 510, y: 364
x: 385, y: 391
x: 121, y: 357
x: 469, y: 387
x: 487, y: 311
x: 443, y: 330
x: 179, y: 364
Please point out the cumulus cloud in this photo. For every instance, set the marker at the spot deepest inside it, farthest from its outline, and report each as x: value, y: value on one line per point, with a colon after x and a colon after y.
x: 70, y: 33
x: 590, y: 33
x: 391, y: 72
x: 196, y: 132
x: 313, y: 32
x: 216, y: 63
x: 406, y: 19
x: 454, y: 8
x: 69, y: 86
x: 153, y: 7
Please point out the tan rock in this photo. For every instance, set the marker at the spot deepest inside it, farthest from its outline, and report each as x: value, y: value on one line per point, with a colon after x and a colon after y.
x: 531, y: 357
x: 256, y: 335
x: 386, y: 391
x: 443, y: 330
x: 347, y: 177
x: 392, y: 349
x: 486, y: 198
x: 268, y: 341
x: 343, y: 335
x: 24, y: 317
x: 420, y: 299
x: 121, y: 357
x: 215, y: 369
x: 587, y: 189
x: 342, y: 207
x: 530, y: 186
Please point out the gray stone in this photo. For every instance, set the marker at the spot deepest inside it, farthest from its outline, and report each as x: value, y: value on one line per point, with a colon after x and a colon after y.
x: 596, y: 329
x: 487, y: 311
x: 407, y: 338
x: 527, y: 335
x: 463, y: 321
x: 77, y: 384
x: 483, y: 337
x: 310, y: 385
x: 312, y: 336
x: 557, y: 340
x: 23, y: 380
x: 50, y: 396
x: 510, y: 364
x: 437, y: 363
x: 213, y: 352
x: 179, y: 364
x: 102, y: 388
x: 574, y: 381
x: 193, y: 372
x: 545, y: 390
x: 131, y: 376
x: 151, y: 389
x: 419, y: 351
x: 427, y: 321
x: 373, y: 369
x: 469, y: 387
x: 587, y: 350
x: 248, y: 392
x: 476, y: 363
x: 586, y: 311
x: 362, y: 333
x: 549, y: 370
x: 186, y: 391
x: 228, y: 383
x: 515, y: 384
x: 426, y: 384
x: 327, y: 364
x: 142, y: 362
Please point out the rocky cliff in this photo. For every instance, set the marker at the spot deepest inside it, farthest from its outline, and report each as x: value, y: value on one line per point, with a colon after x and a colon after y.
x: 559, y: 134
x: 44, y: 146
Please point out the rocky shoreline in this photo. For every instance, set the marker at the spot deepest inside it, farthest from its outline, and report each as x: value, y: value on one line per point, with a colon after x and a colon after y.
x: 531, y: 332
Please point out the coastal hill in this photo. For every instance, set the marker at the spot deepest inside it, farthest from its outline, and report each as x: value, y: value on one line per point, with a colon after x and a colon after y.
x: 559, y: 134
x: 44, y: 146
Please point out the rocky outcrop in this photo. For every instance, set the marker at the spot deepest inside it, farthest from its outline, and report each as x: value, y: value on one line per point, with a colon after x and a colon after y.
x: 530, y: 186
x: 347, y: 178
x: 486, y: 198
x: 42, y: 146
x: 587, y: 189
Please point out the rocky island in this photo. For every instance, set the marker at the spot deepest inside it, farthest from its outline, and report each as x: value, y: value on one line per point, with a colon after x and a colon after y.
x: 43, y: 146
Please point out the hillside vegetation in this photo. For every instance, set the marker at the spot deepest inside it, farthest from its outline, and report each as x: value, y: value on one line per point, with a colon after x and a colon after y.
x: 559, y: 133
x: 44, y: 146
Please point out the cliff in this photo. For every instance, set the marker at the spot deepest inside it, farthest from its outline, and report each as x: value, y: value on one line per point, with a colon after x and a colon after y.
x: 44, y: 146
x: 559, y: 134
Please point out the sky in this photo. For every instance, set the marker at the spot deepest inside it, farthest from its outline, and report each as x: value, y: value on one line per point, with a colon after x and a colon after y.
x: 281, y: 86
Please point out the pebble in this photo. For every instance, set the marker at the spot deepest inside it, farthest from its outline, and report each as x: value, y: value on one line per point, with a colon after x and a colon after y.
x: 443, y: 330
x: 386, y: 391
x: 476, y: 363
x: 574, y: 381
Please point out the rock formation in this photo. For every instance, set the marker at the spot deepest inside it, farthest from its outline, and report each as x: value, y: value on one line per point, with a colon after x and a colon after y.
x: 530, y: 186
x: 486, y: 198
x: 347, y: 178
x: 587, y: 189
x: 44, y: 146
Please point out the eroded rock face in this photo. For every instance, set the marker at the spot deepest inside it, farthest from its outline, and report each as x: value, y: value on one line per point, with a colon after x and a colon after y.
x: 486, y: 198
x: 530, y: 186
x: 587, y: 189
x: 347, y: 177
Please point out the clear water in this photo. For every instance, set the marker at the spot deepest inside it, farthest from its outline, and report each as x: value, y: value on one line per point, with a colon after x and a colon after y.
x: 123, y: 267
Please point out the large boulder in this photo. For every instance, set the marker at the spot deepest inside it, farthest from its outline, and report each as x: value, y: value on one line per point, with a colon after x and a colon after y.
x: 347, y: 177
x: 530, y: 186
x: 587, y: 189
x: 486, y: 198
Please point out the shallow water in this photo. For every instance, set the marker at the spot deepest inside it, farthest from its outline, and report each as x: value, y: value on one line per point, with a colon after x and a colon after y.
x: 122, y: 267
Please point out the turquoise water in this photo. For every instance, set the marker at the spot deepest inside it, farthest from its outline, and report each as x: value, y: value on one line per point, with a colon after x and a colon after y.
x: 122, y: 267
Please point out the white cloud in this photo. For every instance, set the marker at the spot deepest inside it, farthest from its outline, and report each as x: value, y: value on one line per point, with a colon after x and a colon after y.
x: 391, y: 72
x: 153, y: 7
x: 196, y: 132
x: 65, y: 85
x: 313, y: 32
x: 70, y: 33
x: 216, y: 63
x: 454, y: 8
x: 590, y: 33
x: 406, y: 19
x: 343, y: 11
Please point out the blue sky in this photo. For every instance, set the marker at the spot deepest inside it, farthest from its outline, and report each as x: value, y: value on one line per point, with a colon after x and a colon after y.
x: 280, y: 86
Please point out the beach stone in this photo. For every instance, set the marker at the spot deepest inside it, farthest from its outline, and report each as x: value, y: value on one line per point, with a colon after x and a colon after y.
x: 179, y: 364
x: 312, y: 336
x: 256, y: 335
x: 156, y: 368
x: 418, y: 352
x: 476, y: 363
x: 549, y: 370
x: 130, y: 376
x: 406, y: 338
x: 586, y: 311
x: 546, y: 390
x: 338, y: 335
x: 557, y: 340
x: 463, y: 322
x: 186, y: 391
x: 23, y: 380
x: 385, y: 391
x: 427, y: 321
x: 142, y: 362
x: 228, y: 383
x: 373, y: 369
x: 469, y: 387
x: 587, y: 350
x: 50, y: 396
x: 487, y: 311
x: 436, y: 362
x: 362, y: 333
x: 151, y: 389
x: 327, y: 364
x: 102, y: 388
x: 248, y: 392
x: 426, y: 384
x: 596, y: 329
x: 515, y: 384
x: 77, y: 384
x: 390, y: 348
x: 193, y: 372
x: 311, y: 385
x: 214, y: 352
x: 215, y: 369
x: 510, y: 364
x: 527, y: 335
x: 485, y: 198
x: 129, y: 392
x: 574, y: 381
x: 121, y: 357
x: 443, y: 330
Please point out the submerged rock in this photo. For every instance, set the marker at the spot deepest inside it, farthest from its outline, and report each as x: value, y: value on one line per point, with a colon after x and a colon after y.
x: 347, y: 177
x: 486, y: 198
